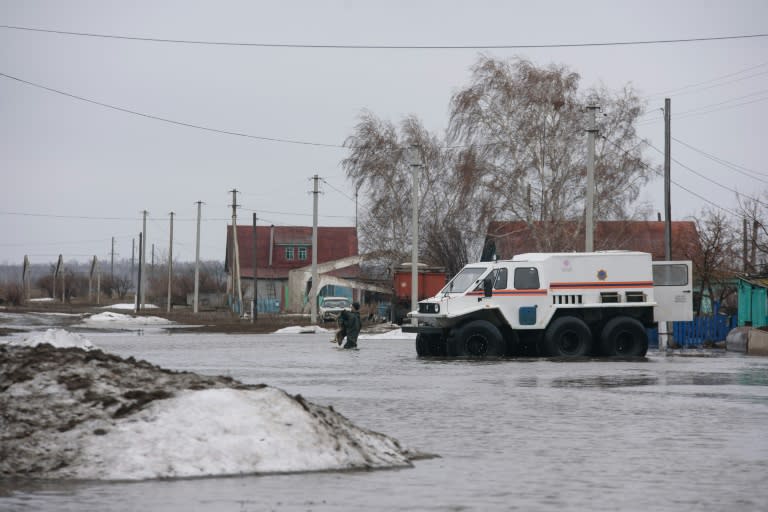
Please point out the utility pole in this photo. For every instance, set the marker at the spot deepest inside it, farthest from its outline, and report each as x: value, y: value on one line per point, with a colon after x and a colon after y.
x: 197, y: 261
x: 98, y: 283
x: 25, y: 278
x: 170, y: 267
x: 90, y: 279
x: 744, y: 267
x: 138, y: 280
x: 589, y: 221
x: 415, y: 163
x: 143, y: 260
x: 664, y: 337
x: 95, y: 269
x: 667, y: 180
x: 112, y: 261
x: 254, y: 303
x: 236, y: 256
x: 59, y: 272
x: 133, y: 258
x: 313, y: 291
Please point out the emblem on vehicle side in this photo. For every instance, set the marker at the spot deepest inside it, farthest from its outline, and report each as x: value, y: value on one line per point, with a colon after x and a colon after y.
x: 602, y: 274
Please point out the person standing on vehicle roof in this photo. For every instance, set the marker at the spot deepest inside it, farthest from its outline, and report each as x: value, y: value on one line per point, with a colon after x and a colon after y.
x: 351, y: 323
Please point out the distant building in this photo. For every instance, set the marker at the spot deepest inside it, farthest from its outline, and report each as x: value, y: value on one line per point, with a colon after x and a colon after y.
x: 283, y: 262
x: 504, y: 239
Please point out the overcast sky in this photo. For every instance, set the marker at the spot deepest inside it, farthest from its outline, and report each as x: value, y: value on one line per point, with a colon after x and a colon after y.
x: 75, y: 174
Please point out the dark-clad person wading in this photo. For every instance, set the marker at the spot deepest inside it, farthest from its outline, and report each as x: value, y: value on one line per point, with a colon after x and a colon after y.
x: 349, y: 322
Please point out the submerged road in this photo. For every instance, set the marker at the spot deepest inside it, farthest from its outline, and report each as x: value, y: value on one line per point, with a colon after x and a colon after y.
x: 671, y: 432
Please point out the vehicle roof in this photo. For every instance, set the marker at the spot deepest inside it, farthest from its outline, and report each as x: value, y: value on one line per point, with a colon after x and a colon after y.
x: 543, y: 256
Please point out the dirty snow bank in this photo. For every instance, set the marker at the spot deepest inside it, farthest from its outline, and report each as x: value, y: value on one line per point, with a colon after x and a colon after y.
x: 110, y: 319
x: 307, y: 329
x: 71, y: 413
x: 129, y: 307
x: 55, y: 337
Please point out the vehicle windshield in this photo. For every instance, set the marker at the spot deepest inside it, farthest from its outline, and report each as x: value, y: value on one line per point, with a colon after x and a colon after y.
x: 464, y: 280
x: 335, y: 303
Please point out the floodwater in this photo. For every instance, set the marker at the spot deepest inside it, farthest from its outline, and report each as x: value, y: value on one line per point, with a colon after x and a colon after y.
x: 671, y: 432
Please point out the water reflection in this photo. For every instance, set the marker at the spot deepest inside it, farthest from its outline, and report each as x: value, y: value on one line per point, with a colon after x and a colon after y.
x: 605, y: 381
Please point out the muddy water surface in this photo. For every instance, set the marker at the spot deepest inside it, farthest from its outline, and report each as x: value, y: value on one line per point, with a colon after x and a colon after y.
x: 687, y: 431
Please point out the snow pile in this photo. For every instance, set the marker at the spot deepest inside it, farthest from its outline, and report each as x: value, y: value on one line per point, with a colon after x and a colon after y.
x: 55, y: 337
x: 129, y: 307
x: 76, y: 414
x: 308, y: 329
x: 109, y: 318
x: 228, y: 431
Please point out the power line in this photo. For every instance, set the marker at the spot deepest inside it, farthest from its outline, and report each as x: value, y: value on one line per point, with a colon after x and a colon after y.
x: 384, y: 47
x: 67, y: 242
x: 702, y: 110
x: 158, y: 220
x: 171, y: 121
x: 735, y: 167
x: 708, y: 179
x: 55, y: 216
x: 90, y: 217
x: 660, y: 173
x: 337, y: 190
x: 711, y: 80
x: 296, y: 214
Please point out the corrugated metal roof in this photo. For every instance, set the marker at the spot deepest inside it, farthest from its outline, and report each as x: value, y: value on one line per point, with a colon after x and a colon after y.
x: 761, y: 281
x: 516, y: 237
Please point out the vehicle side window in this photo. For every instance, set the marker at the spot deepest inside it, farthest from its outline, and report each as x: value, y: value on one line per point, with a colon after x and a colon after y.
x: 526, y: 278
x: 500, y: 282
x: 670, y: 275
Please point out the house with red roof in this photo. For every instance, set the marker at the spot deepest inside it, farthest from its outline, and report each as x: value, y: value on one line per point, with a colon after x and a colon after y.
x: 504, y: 239
x: 279, y: 259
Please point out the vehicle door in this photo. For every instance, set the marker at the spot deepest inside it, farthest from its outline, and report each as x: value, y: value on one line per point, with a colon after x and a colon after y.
x: 672, y: 289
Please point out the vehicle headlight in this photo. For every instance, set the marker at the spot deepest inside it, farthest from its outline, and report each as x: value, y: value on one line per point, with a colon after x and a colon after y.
x: 429, y: 308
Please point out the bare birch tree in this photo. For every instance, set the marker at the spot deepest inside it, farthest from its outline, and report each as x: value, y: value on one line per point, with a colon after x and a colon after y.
x: 525, y: 126
x: 515, y: 150
x: 451, y: 213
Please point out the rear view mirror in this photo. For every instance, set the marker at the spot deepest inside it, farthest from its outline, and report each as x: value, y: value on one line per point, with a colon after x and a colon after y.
x: 488, y: 287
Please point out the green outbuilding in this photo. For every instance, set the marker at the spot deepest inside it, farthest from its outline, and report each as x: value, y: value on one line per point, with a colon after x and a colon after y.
x: 753, y: 301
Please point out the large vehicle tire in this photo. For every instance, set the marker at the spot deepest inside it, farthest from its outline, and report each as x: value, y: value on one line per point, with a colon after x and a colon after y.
x: 624, y: 336
x: 478, y: 338
x: 568, y: 336
x: 430, y: 345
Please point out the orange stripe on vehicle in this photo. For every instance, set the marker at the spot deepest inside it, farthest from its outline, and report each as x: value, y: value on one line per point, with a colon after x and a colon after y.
x: 600, y: 284
x: 511, y: 292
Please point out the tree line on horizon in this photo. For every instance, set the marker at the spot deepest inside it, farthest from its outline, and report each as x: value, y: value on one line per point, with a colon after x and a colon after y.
x: 115, y: 285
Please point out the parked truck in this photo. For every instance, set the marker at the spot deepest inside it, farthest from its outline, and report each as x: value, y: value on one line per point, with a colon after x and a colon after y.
x: 430, y: 280
x: 553, y: 304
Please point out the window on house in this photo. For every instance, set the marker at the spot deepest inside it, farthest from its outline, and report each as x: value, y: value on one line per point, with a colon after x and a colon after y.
x: 289, y: 253
x: 302, y: 253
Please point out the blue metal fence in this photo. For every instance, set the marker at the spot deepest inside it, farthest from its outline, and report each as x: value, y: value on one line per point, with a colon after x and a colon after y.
x: 703, y: 329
